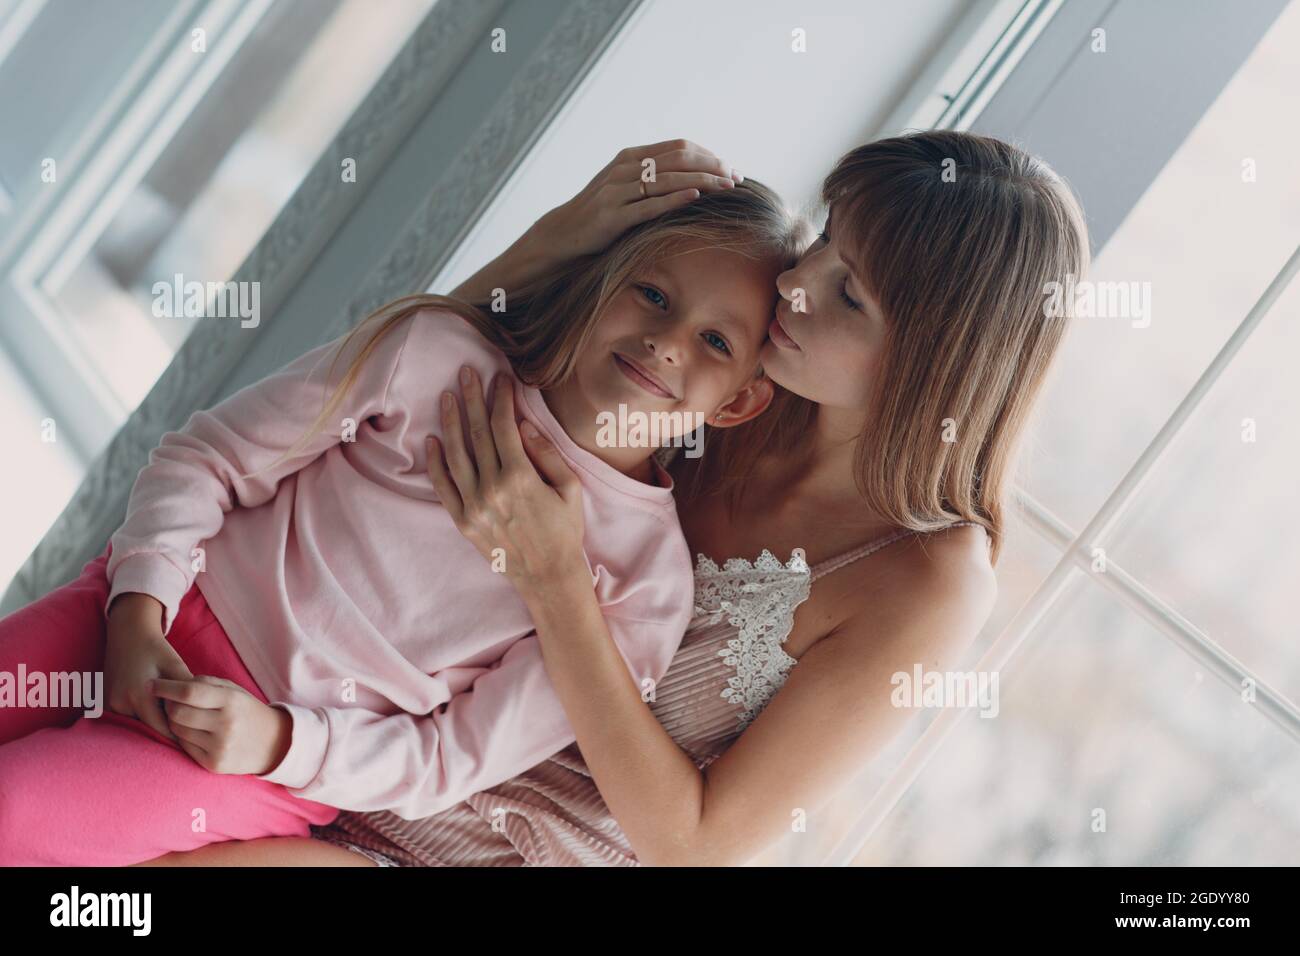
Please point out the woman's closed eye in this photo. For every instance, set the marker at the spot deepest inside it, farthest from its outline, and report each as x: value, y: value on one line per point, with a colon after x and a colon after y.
x: 825, y: 236
x: 844, y: 294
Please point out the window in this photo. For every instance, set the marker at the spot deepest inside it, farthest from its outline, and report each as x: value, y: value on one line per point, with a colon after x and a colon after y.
x: 1126, y: 734
x: 173, y: 151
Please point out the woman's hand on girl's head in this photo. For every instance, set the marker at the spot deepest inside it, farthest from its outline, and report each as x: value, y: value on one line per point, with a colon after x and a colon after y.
x: 223, y: 727
x: 673, y: 173
x: 608, y: 206
x: 514, y: 498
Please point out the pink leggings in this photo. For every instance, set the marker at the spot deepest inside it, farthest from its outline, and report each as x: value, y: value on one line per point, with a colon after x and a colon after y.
x: 109, y: 790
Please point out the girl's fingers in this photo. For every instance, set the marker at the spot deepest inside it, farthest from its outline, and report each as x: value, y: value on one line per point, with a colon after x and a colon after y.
x: 442, y: 482
x: 197, y: 753
x: 153, y: 714
x: 183, y: 716
x: 504, y: 429
x: 453, y: 448
x: 194, y: 693
x: 199, y: 738
x: 480, y: 430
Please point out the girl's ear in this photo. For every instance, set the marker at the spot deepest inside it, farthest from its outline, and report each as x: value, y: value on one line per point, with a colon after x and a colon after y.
x: 750, y: 402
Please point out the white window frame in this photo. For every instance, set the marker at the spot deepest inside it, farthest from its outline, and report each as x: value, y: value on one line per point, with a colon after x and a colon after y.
x: 102, y: 150
x: 1054, y: 68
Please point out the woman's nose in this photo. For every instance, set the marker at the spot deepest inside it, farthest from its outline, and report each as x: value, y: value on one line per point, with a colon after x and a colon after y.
x: 785, y: 283
x: 791, y: 286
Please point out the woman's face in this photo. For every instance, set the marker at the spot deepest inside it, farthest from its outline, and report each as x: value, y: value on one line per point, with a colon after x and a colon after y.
x: 828, y: 337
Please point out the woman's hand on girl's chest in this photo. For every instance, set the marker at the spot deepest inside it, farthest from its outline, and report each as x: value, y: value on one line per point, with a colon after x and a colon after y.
x: 514, y: 498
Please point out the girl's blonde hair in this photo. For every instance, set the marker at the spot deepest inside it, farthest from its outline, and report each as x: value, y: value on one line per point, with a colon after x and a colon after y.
x: 546, y: 323
x: 959, y: 265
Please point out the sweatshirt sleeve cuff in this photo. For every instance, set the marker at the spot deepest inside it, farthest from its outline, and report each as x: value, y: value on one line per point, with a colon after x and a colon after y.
x: 150, y: 573
x: 306, y: 751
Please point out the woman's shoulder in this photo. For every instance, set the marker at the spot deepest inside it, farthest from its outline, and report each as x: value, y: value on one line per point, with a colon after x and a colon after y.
x: 947, y: 573
x: 951, y: 558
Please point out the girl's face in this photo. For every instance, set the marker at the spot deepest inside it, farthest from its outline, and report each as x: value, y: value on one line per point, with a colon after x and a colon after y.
x: 683, y: 336
x: 828, y: 338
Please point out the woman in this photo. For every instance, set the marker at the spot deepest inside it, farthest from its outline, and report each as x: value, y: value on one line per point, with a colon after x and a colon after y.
x: 909, y: 347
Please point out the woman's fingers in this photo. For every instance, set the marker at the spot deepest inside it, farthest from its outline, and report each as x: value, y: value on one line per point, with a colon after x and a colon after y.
x: 549, y: 463
x: 453, y: 447
x: 442, y: 483
x: 677, y: 155
x: 480, y: 429
x: 667, y: 183
x: 647, y: 209
x: 504, y: 429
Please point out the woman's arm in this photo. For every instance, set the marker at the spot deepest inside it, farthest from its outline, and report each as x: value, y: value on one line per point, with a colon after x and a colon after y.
x: 652, y: 787
x: 608, y: 206
x: 833, y: 714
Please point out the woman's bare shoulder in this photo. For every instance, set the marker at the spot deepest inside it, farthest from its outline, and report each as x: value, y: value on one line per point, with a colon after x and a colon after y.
x: 950, y: 568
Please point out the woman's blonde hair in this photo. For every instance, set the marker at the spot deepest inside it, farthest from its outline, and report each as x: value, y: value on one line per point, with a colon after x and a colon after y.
x: 956, y: 236
x: 544, y: 325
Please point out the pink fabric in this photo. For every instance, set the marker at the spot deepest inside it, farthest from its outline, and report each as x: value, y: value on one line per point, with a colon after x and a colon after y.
x: 411, y: 669
x: 109, y: 791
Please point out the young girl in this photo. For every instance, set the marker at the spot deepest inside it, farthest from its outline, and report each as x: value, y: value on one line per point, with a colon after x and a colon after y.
x: 316, y: 635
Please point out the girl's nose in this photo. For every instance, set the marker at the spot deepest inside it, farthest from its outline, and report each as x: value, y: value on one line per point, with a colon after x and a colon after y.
x: 662, y: 347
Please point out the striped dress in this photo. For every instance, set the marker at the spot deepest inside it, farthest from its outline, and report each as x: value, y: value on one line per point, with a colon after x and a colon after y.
x: 729, y: 665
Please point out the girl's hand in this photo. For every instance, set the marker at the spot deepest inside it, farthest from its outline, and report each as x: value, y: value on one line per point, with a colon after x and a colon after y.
x: 224, y: 727
x: 608, y: 206
x: 530, y: 529
x: 136, y: 652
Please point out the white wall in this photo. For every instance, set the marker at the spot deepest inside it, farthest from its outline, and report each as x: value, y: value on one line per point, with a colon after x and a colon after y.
x: 724, y: 75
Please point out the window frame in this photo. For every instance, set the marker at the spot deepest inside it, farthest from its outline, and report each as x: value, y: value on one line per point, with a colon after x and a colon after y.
x: 1050, y: 74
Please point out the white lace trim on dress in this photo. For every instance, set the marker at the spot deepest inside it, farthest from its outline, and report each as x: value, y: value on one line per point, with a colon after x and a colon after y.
x: 759, y: 599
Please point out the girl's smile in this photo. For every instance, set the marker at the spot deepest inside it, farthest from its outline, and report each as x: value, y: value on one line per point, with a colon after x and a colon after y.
x: 642, y: 377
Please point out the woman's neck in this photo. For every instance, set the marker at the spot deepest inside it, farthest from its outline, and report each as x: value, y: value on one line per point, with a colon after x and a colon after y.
x: 815, y: 490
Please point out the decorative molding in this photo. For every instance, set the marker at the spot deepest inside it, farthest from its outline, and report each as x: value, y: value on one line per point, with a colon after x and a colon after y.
x: 448, y: 203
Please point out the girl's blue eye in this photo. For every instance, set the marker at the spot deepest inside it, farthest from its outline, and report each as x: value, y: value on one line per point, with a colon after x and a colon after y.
x: 722, y: 343
x: 650, y: 292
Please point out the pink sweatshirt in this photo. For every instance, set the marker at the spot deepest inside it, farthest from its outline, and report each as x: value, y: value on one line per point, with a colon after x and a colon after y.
x: 411, y: 670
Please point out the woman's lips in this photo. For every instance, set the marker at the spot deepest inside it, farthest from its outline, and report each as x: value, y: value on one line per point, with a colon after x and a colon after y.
x: 636, y: 374
x: 780, y: 337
